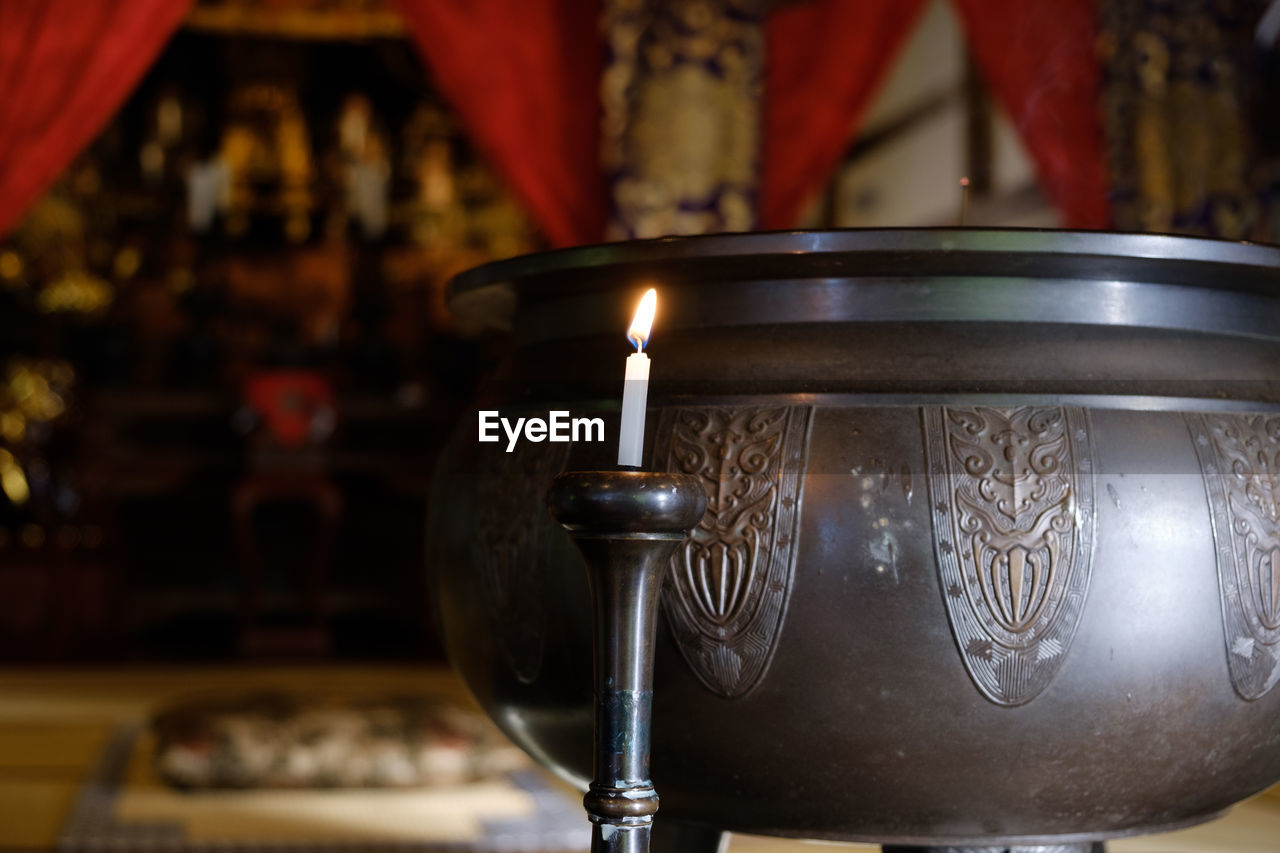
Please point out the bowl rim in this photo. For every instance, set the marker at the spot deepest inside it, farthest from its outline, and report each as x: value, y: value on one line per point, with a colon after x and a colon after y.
x: 1146, y: 256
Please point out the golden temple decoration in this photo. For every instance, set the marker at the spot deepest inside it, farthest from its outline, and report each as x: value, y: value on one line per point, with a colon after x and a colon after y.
x: 33, y: 393
x: 312, y: 20
x: 267, y: 144
x: 681, y: 124
x: 1176, y: 117
x: 77, y: 292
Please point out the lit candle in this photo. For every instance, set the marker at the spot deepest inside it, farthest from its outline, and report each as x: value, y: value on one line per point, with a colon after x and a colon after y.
x: 635, y: 390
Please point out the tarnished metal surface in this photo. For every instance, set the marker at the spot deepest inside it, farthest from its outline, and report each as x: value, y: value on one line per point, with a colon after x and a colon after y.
x: 507, y: 545
x: 1105, y: 546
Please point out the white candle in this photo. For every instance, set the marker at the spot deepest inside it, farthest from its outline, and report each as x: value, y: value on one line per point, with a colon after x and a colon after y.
x: 635, y: 388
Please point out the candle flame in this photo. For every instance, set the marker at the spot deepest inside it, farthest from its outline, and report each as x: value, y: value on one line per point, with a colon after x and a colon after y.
x: 642, y: 323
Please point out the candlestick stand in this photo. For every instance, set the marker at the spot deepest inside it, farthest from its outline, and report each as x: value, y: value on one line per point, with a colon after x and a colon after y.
x: 626, y: 524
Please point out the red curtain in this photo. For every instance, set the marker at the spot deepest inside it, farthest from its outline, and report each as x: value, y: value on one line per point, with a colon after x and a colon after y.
x: 1038, y: 58
x: 524, y: 77
x: 825, y: 61
x: 65, y: 68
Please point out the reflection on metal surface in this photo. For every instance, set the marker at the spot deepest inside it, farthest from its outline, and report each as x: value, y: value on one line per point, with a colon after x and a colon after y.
x: 1240, y: 458
x: 729, y: 585
x: 1012, y: 494
x: 507, y: 546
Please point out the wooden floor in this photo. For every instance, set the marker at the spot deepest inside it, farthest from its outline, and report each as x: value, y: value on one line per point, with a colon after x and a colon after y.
x: 54, y: 724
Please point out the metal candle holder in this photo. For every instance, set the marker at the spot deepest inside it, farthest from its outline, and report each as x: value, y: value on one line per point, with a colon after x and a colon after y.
x: 627, y: 524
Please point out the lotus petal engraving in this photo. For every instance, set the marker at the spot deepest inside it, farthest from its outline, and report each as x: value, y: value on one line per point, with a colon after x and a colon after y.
x: 508, y: 547
x: 1240, y: 459
x: 727, y: 594
x: 1013, y: 517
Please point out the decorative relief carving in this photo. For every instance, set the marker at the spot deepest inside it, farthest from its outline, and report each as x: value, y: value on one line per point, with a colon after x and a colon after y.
x: 509, y: 549
x: 727, y: 594
x: 1240, y: 459
x: 1013, y: 528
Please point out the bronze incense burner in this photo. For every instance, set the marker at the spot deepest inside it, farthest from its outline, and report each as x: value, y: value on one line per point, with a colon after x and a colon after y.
x: 991, y: 553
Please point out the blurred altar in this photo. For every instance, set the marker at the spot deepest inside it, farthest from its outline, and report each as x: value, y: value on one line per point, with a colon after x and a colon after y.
x: 226, y: 229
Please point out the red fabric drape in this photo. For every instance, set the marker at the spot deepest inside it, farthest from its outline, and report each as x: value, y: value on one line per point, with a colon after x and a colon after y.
x: 825, y: 61
x: 524, y: 77
x: 65, y: 68
x: 1038, y: 58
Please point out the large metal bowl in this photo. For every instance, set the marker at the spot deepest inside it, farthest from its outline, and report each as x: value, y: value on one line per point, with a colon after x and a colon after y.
x: 993, y: 546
